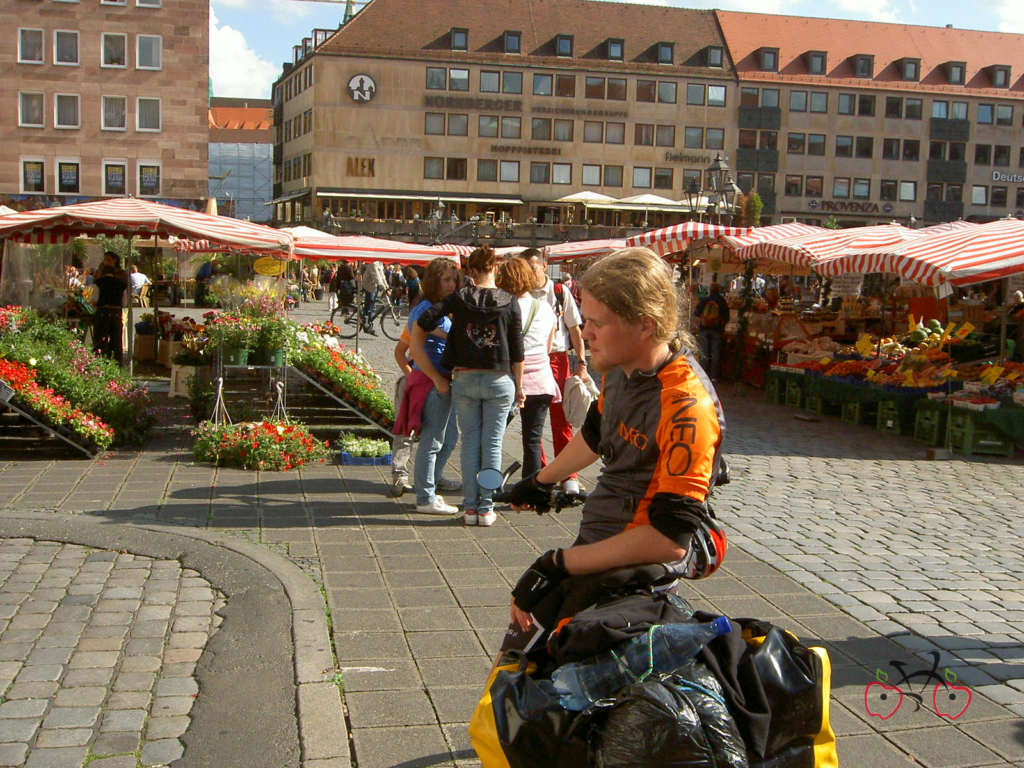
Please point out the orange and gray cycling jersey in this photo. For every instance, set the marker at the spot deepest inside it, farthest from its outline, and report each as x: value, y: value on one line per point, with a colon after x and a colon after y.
x: 659, y: 434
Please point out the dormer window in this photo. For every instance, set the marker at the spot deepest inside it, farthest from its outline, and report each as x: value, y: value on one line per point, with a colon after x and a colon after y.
x: 1000, y: 76
x: 665, y: 53
x: 563, y: 45
x: 910, y: 69
x: 863, y: 65
x: 816, y: 62
x: 955, y: 72
x: 460, y: 39
x: 769, y: 59
x: 616, y: 49
x: 715, y: 56
x: 513, y: 42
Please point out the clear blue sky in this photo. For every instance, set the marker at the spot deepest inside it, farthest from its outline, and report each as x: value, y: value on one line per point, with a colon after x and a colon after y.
x: 250, y: 39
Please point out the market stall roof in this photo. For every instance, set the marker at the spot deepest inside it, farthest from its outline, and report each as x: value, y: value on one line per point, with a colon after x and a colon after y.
x: 4, y: 210
x: 814, y: 249
x: 316, y: 245
x: 583, y: 248
x: 947, y: 226
x: 963, y: 256
x: 586, y: 196
x: 677, y: 237
x: 769, y: 233
x: 130, y: 217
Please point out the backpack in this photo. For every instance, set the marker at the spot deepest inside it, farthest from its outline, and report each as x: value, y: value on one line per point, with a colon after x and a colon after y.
x: 559, y: 301
x: 711, y: 315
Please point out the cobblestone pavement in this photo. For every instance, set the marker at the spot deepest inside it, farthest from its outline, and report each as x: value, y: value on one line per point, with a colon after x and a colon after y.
x: 97, y: 655
x: 845, y: 536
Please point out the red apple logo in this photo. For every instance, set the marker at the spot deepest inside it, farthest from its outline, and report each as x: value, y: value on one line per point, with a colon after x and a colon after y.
x: 947, y: 697
x: 888, y: 697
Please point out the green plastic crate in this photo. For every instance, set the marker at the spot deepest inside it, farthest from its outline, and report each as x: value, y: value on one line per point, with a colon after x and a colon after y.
x: 794, y: 394
x: 773, y: 390
x: 857, y: 412
x: 929, y: 425
x: 888, y: 417
x: 966, y: 436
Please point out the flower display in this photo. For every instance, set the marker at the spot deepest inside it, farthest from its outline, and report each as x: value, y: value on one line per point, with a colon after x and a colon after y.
x: 261, y: 445
x: 363, y: 446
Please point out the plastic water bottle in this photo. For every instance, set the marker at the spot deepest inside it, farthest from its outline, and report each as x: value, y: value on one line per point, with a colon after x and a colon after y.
x: 662, y: 650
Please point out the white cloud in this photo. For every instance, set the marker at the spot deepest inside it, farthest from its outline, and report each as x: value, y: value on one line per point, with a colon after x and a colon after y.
x: 235, y: 68
x: 867, y: 10
x: 1008, y: 15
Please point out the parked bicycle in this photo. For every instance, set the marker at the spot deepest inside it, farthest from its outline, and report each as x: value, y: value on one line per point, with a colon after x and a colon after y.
x: 390, y: 318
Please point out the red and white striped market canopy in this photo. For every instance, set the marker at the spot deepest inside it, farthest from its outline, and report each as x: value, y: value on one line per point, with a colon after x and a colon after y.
x: 129, y: 217
x: 814, y: 249
x: 677, y: 237
x: 327, y: 247
x: 582, y: 249
x: 769, y: 233
x: 962, y: 256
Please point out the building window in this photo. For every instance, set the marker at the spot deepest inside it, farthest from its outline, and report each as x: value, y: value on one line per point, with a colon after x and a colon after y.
x: 561, y: 173
x: 68, y: 177
x: 667, y: 93
x: 911, y: 69
x: 846, y: 104
x: 911, y: 150
x: 487, y: 126
x: 716, y: 95
x: 979, y: 194
x: 665, y: 136
x: 458, y: 125
x: 563, y: 45
x: 458, y: 80
x: 770, y: 97
x: 147, y: 116
x: 148, y: 3
x: 983, y: 154
x: 769, y: 59
x: 460, y: 39
x: 957, y: 151
x: 841, y: 187
x: 616, y: 49
x: 1020, y: 197
x: 861, y: 189
x: 513, y: 44
x: 864, y: 66
x: 890, y: 149
x: 543, y: 85
x: 512, y: 82
x: 908, y: 191
x: 887, y: 190
x: 986, y: 114
x: 816, y: 62
x: 643, y: 135
x: 437, y: 79
x: 486, y: 170
x: 666, y: 53
x: 65, y: 111
x: 695, y: 94
x: 30, y: 110
x: 65, y: 48
x: 1004, y: 114
x: 745, y: 181
x: 433, y: 167
x: 593, y: 131
x: 958, y: 110
x: 540, y: 129
x: 511, y: 127
x: 148, y: 52
x: 33, y: 175
x: 616, y: 89
x: 933, y: 191
x: 565, y: 85
x: 768, y: 140
x: 594, y: 87
x: 795, y: 144
x: 814, y: 186
x: 592, y: 175
x: 490, y: 82
x: 913, y: 109
x: 30, y: 46
x: 998, y: 197
x: 714, y: 59
x: 794, y: 186
x: 613, y: 175
x: 614, y: 133
x: 642, y: 178
x: 893, y: 107
x: 115, y: 173
x: 865, y: 105
x: 955, y: 71
x: 844, y: 146
x: 540, y: 173
x: 816, y: 144
x: 714, y: 138
x: 663, y: 178
x: 865, y: 146
x: 115, y: 113
x: 693, y: 138
x: 1000, y: 77
x: 819, y: 101
x: 937, y: 150
x: 1001, y: 155
x: 798, y: 101
x: 940, y: 109
x: 749, y: 97
x: 149, y: 179
x: 509, y: 171
x: 691, y: 180
x: 747, y: 139
x: 646, y: 90
x: 563, y: 130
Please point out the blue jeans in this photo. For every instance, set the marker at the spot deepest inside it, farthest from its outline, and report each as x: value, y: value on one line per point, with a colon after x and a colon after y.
x: 711, y: 352
x: 438, y: 435
x: 482, y: 402
x: 369, y: 307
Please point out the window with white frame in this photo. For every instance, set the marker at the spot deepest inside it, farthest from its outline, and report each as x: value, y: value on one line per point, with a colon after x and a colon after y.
x: 148, y: 3
x: 65, y: 111
x: 113, y: 2
x: 642, y: 178
x: 149, y: 178
x: 30, y: 46
x: 509, y: 170
x: 979, y: 194
x: 148, y: 52
x: 147, y: 114
x: 65, y: 48
x: 115, y: 50
x: 592, y: 175
x: 561, y: 173
x: 69, y: 176
x: 908, y: 191
x: 115, y: 113
x: 33, y: 174
x: 30, y: 110
x: 115, y: 177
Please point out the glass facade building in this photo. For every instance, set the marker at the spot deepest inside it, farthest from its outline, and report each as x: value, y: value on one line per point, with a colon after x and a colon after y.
x: 241, y: 178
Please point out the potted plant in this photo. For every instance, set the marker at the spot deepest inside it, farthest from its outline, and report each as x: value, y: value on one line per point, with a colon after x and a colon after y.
x: 364, y: 451
x: 234, y: 336
x: 273, y: 340
x: 262, y: 445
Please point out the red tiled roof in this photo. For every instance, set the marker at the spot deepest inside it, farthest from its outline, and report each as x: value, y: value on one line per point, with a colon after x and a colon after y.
x: 395, y: 27
x: 746, y: 33
x: 241, y: 118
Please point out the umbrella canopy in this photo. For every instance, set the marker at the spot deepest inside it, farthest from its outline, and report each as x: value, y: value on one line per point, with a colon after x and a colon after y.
x: 585, y: 197
x: 132, y: 218
x: 361, y: 248
x: 677, y: 237
x: 814, y: 249
x: 947, y: 226
x: 963, y: 256
x: 4, y: 210
x: 583, y: 249
x: 648, y: 199
x: 766, y: 234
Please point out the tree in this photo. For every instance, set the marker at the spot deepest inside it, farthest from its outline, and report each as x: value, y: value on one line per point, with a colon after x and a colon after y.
x: 740, y: 219
x: 752, y: 207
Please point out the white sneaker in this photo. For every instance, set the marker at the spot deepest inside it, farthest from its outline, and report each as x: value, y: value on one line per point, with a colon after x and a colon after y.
x: 486, y: 518
x: 469, y: 517
x: 437, y: 507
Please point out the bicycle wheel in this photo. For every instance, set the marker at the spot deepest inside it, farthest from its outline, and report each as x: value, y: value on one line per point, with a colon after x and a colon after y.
x: 391, y: 323
x: 349, y: 323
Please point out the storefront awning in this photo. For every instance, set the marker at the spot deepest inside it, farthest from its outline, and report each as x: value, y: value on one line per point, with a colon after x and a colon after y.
x: 412, y: 196
x: 286, y: 198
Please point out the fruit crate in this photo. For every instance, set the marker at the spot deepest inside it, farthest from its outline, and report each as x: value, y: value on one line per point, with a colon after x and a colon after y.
x: 967, y: 436
x: 794, y: 394
x: 819, y: 405
x: 890, y: 417
x: 929, y: 425
x: 773, y: 390
x: 857, y: 412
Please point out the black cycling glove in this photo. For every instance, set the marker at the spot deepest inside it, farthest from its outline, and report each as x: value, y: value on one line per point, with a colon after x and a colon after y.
x: 528, y: 492
x: 540, y: 580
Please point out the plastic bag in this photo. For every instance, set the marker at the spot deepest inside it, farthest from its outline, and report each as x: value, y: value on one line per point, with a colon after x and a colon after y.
x: 678, y: 721
x: 577, y: 395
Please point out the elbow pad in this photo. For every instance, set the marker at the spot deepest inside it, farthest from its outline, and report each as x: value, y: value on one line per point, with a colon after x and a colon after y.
x: 591, y: 429
x: 676, y: 517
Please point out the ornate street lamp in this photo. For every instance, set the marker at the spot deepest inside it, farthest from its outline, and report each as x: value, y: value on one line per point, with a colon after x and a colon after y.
x: 693, y: 197
x: 724, y: 192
